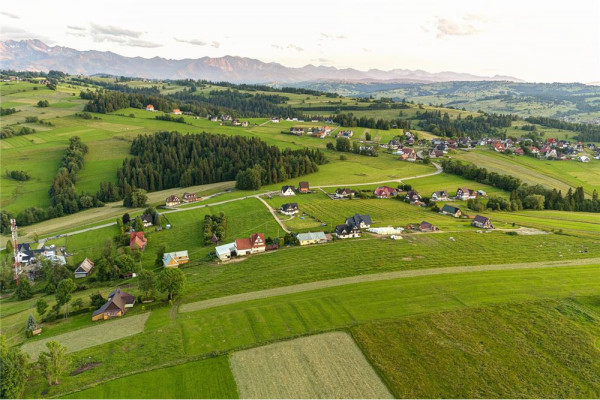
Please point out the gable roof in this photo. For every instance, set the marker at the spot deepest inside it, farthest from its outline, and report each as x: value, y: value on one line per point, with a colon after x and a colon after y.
x: 137, y: 238
x: 345, y: 229
x: 311, y: 236
x: 287, y: 187
x: 450, y: 209
x: 357, y: 219
x: 344, y: 191
x: 255, y: 240
x: 481, y: 219
x: 303, y: 185
x: 117, y: 299
x: 147, y: 218
x: 85, y: 266
x: 172, y: 198
x: 289, y: 206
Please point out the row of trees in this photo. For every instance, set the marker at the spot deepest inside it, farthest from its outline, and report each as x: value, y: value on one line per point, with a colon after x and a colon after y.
x: 524, y: 196
x: 18, y: 175
x: 214, y: 225
x: 586, y: 132
x: 351, y: 120
x: 348, y: 146
x: 10, y: 131
x: 476, y: 127
x: 170, y: 159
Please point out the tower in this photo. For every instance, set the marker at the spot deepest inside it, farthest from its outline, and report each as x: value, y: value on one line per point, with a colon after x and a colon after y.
x: 13, y: 230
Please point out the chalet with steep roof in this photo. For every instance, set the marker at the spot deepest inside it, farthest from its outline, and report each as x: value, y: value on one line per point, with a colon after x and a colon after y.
x: 116, y: 306
x: 137, y: 241
x: 342, y: 193
x: 465, y: 194
x: 346, y: 231
x: 289, y: 209
x: 303, y: 187
x: 361, y: 221
x: 288, y: 190
x: 482, y: 222
x: 385, y: 192
x: 84, y: 269
x: 254, y: 244
x: 451, y: 210
x: 189, y: 197
x: 172, y: 200
x: 440, y: 195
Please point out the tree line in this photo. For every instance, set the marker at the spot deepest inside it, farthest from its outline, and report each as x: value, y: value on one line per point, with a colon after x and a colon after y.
x: 350, y: 120
x: 433, y: 121
x: 585, y: 132
x: 524, y: 196
x: 214, y: 225
x: 170, y: 159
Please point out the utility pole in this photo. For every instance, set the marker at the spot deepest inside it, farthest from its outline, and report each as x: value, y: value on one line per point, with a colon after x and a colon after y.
x: 13, y: 230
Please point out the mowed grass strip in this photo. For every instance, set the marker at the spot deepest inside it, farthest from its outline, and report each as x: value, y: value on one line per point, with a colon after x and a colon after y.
x: 84, y: 338
x: 536, y: 350
x: 327, y: 366
x: 206, y: 379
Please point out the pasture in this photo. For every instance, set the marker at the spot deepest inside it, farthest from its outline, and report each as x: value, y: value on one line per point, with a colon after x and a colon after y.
x: 536, y: 350
x: 323, y: 366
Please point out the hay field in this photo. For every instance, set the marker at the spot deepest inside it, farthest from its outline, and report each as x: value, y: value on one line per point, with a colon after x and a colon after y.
x: 329, y: 365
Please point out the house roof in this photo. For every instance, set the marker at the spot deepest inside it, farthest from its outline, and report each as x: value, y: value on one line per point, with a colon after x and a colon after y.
x: 225, y: 248
x: 137, y: 238
x: 85, y: 266
x: 344, y: 191
x: 481, y: 219
x: 286, y: 188
x: 303, y: 185
x: 147, y: 218
x: 426, y: 225
x: 187, y: 195
x: 289, y: 206
x: 117, y: 299
x: 441, y: 193
x: 385, y: 191
x: 172, y: 198
x: 311, y: 236
x: 255, y: 240
x: 450, y: 209
x: 356, y: 220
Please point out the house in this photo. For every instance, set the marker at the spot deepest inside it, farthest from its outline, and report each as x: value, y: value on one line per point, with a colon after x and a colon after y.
x: 440, y: 195
x: 172, y: 200
x: 189, y: 197
x: 427, y: 227
x: 254, y: 244
x: 519, y: 152
x: 226, y: 117
x: 534, y: 150
x: 303, y: 187
x: 297, y: 130
x: 499, y: 147
x: 311, y: 238
x: 214, y: 118
x: 137, y: 241
x: 287, y: 191
x: 346, y: 231
x: 384, y: 192
x: 344, y: 193
x: 176, y: 111
x: 275, y: 120
x: 408, y: 154
x: 451, y: 210
x: 394, y: 144
x: 465, y: 194
x: 361, y: 221
x: 236, y: 122
x: 116, y: 306
x: 435, y: 153
x: 583, y: 159
x: 84, y: 268
x: 345, y: 134
x: 244, y: 124
x: 413, y: 196
x: 482, y: 222
x: 149, y: 107
x: 289, y: 208
x: 147, y: 220
x: 481, y: 193
x: 175, y: 259
x: 224, y: 252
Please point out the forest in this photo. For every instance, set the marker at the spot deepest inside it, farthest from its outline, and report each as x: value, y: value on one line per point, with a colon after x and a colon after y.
x: 587, y: 132
x: 170, y: 159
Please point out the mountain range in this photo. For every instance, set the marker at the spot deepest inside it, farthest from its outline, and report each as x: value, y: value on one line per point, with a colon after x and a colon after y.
x: 34, y: 55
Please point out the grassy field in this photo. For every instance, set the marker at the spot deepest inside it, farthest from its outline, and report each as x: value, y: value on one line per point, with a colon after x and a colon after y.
x: 257, y: 322
x: 206, y: 379
x: 539, y: 350
x: 322, y: 366
x: 100, y: 333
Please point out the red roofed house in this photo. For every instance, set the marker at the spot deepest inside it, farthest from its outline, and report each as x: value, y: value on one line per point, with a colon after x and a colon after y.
x: 254, y: 244
x: 303, y: 187
x: 176, y: 111
x: 408, y: 154
x: 137, y: 241
x: 149, y: 107
x: 384, y: 192
x: 499, y: 147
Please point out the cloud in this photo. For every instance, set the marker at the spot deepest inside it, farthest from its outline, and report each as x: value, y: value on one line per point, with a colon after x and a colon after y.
x: 142, y: 43
x: 10, y: 15
x: 322, y: 60
x: 113, y: 31
x: 465, y: 27
x: 78, y: 34
x: 9, y: 32
x: 76, y: 28
x: 197, y: 42
x: 289, y: 46
x: 329, y: 36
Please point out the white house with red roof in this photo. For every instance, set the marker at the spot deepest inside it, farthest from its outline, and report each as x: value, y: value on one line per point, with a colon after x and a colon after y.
x: 176, y: 111
x: 384, y: 192
x: 150, y: 107
x: 254, y: 244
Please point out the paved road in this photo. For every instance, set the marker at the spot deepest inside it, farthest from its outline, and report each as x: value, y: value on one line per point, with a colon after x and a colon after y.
x: 305, y: 287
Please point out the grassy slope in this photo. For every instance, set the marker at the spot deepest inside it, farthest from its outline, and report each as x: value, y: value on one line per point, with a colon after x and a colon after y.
x: 543, y: 350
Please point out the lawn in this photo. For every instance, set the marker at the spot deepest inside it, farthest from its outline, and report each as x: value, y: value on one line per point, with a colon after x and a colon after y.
x: 323, y: 366
x: 205, y: 379
x: 539, y: 350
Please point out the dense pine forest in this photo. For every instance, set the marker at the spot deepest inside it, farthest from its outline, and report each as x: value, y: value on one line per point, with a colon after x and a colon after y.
x: 587, y: 132
x: 170, y: 159
x: 475, y: 127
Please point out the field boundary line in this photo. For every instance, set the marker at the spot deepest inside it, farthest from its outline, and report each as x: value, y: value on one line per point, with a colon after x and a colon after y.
x: 306, y: 287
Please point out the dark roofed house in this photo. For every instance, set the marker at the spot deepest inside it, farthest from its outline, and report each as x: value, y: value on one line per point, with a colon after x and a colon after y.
x: 361, y: 221
x: 413, y: 196
x: 303, y: 187
x: 289, y: 208
x: 465, y: 193
x: 346, y: 231
x: 451, y: 210
x: 189, y: 197
x: 440, y: 195
x: 344, y: 193
x: 287, y: 190
x: 482, y: 222
x: 427, y: 227
x: 84, y: 268
x: 147, y: 220
x: 116, y: 306
x: 172, y: 200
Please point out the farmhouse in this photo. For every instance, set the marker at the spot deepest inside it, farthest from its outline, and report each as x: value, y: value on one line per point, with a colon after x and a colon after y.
x: 413, y: 196
x: 344, y: 193
x: 116, y: 306
x: 137, y: 241
x: 175, y: 259
x: 499, y: 147
x: 311, y: 238
x: 440, y: 195
x: 345, y: 134
x: 149, y: 107
x: 297, y: 130
x: 244, y: 124
x: 275, y: 120
x: 173, y: 200
x: 236, y: 122
x: 189, y: 197
x: 346, y: 231
x: 176, y: 111
x: 254, y: 244
x: 408, y: 154
x: 289, y: 208
x: 84, y: 269
x: 465, y: 194
x: 361, y: 221
x: 427, y: 227
x: 451, y: 210
x: 287, y: 191
x: 147, y: 220
x: 384, y: 192
x: 482, y: 222
x: 303, y: 187
x: 224, y: 252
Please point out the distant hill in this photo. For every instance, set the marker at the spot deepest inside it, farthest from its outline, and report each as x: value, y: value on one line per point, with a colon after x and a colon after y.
x: 34, y: 55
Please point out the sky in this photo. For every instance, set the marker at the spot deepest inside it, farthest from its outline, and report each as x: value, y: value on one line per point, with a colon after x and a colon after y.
x: 538, y: 41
